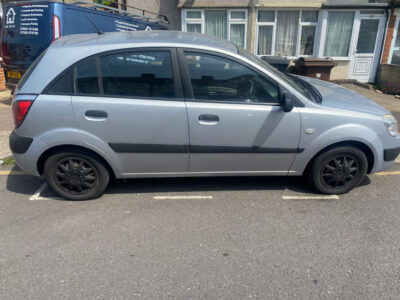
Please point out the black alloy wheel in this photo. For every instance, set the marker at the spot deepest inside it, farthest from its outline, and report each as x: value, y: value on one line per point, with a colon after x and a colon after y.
x: 76, y: 175
x: 337, y: 170
x: 340, y: 171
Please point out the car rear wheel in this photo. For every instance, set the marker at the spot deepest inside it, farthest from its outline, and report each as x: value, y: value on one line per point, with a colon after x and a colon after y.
x: 338, y: 170
x: 76, y: 176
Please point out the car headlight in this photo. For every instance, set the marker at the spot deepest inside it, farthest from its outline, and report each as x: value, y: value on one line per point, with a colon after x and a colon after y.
x: 391, y: 124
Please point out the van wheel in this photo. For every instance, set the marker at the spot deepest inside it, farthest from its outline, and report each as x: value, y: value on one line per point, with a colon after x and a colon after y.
x: 338, y: 170
x: 76, y: 176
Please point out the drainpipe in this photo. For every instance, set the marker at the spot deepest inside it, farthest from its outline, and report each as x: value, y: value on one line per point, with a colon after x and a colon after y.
x: 387, y: 12
x: 252, y: 28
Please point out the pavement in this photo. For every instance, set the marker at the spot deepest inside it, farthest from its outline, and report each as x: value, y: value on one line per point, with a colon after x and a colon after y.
x: 199, y: 238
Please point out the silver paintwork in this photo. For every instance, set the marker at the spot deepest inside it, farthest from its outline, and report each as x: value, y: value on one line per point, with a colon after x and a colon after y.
x: 60, y: 120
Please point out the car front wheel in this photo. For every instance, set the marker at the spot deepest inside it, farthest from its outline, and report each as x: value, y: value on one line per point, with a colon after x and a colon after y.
x: 338, y: 170
x: 76, y: 176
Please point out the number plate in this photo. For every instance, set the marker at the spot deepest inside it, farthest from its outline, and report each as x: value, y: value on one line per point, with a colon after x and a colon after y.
x: 14, y: 74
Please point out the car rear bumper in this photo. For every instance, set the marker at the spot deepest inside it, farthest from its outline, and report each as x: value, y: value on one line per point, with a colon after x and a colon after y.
x: 19, y: 144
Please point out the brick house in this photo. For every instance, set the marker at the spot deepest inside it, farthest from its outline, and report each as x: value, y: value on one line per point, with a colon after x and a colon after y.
x: 389, y: 71
x: 350, y: 31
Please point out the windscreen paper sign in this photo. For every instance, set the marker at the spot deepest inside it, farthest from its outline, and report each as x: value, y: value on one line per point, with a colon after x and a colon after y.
x: 25, y: 19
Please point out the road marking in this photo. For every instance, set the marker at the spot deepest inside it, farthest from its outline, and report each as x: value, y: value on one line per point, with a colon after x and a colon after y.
x: 388, y: 173
x: 11, y: 172
x: 181, y: 197
x: 330, y: 197
x: 36, y: 196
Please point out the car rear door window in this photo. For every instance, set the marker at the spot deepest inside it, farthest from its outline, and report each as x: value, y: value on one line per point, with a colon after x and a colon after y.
x: 215, y: 78
x: 144, y: 74
x: 86, y: 78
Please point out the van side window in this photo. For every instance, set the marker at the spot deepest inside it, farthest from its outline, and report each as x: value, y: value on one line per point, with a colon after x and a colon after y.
x: 63, y: 85
x: 86, y: 78
x: 216, y: 78
x: 138, y: 74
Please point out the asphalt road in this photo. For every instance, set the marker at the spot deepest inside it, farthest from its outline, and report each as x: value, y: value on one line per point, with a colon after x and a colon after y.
x: 219, y: 238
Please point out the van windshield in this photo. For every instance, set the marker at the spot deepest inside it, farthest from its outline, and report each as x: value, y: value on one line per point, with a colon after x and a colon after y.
x: 300, y: 88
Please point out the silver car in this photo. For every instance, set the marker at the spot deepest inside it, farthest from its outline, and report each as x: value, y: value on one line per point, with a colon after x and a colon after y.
x: 169, y: 104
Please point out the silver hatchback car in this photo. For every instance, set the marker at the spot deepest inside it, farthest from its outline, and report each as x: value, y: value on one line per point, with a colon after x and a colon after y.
x: 169, y: 104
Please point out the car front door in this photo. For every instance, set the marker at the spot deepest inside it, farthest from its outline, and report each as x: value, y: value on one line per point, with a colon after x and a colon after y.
x: 236, y: 123
x: 132, y: 100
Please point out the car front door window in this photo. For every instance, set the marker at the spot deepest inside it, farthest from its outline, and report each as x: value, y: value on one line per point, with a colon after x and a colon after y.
x: 215, y: 78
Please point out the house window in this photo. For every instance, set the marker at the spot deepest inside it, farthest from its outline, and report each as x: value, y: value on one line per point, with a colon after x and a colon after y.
x: 286, y: 32
x: 395, y: 49
x: 338, y: 33
x: 227, y: 24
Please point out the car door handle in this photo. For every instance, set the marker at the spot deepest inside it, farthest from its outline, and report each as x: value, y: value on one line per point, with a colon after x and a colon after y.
x: 208, y: 118
x: 96, y: 115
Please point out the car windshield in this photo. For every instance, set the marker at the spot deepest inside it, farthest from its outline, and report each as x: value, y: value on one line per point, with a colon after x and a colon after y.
x: 300, y: 88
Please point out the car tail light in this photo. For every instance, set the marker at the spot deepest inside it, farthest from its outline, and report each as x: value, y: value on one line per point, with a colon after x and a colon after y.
x: 20, y: 109
x: 56, y: 28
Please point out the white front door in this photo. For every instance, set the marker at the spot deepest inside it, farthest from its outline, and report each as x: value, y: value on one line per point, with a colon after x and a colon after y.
x: 366, y: 47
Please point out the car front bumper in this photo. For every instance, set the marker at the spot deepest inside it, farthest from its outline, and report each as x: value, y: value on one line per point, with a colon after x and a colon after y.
x: 391, y: 154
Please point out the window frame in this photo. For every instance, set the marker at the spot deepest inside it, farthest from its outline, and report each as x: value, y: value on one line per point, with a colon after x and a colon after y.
x: 187, y: 85
x: 176, y: 76
x: 299, y: 30
x: 396, y: 31
x: 229, y: 21
x: 323, y: 35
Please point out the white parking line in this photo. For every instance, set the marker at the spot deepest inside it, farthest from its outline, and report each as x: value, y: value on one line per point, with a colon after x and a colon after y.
x: 330, y: 197
x: 38, y: 197
x: 181, y: 197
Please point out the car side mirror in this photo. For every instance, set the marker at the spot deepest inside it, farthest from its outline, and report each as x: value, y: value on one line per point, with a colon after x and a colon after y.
x: 287, y: 101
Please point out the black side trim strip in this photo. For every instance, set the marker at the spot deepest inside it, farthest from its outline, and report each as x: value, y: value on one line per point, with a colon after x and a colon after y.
x: 391, y: 154
x: 148, y: 148
x: 19, y: 144
x: 234, y: 149
x: 157, y: 148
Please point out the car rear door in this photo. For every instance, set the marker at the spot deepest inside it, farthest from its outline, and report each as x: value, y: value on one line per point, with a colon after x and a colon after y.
x: 236, y: 123
x: 132, y: 100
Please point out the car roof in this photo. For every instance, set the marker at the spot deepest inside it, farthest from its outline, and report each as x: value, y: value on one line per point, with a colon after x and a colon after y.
x: 152, y: 38
x: 73, y: 48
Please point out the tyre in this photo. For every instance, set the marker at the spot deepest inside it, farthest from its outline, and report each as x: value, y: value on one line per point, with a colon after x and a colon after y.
x: 338, y: 170
x: 76, y: 175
